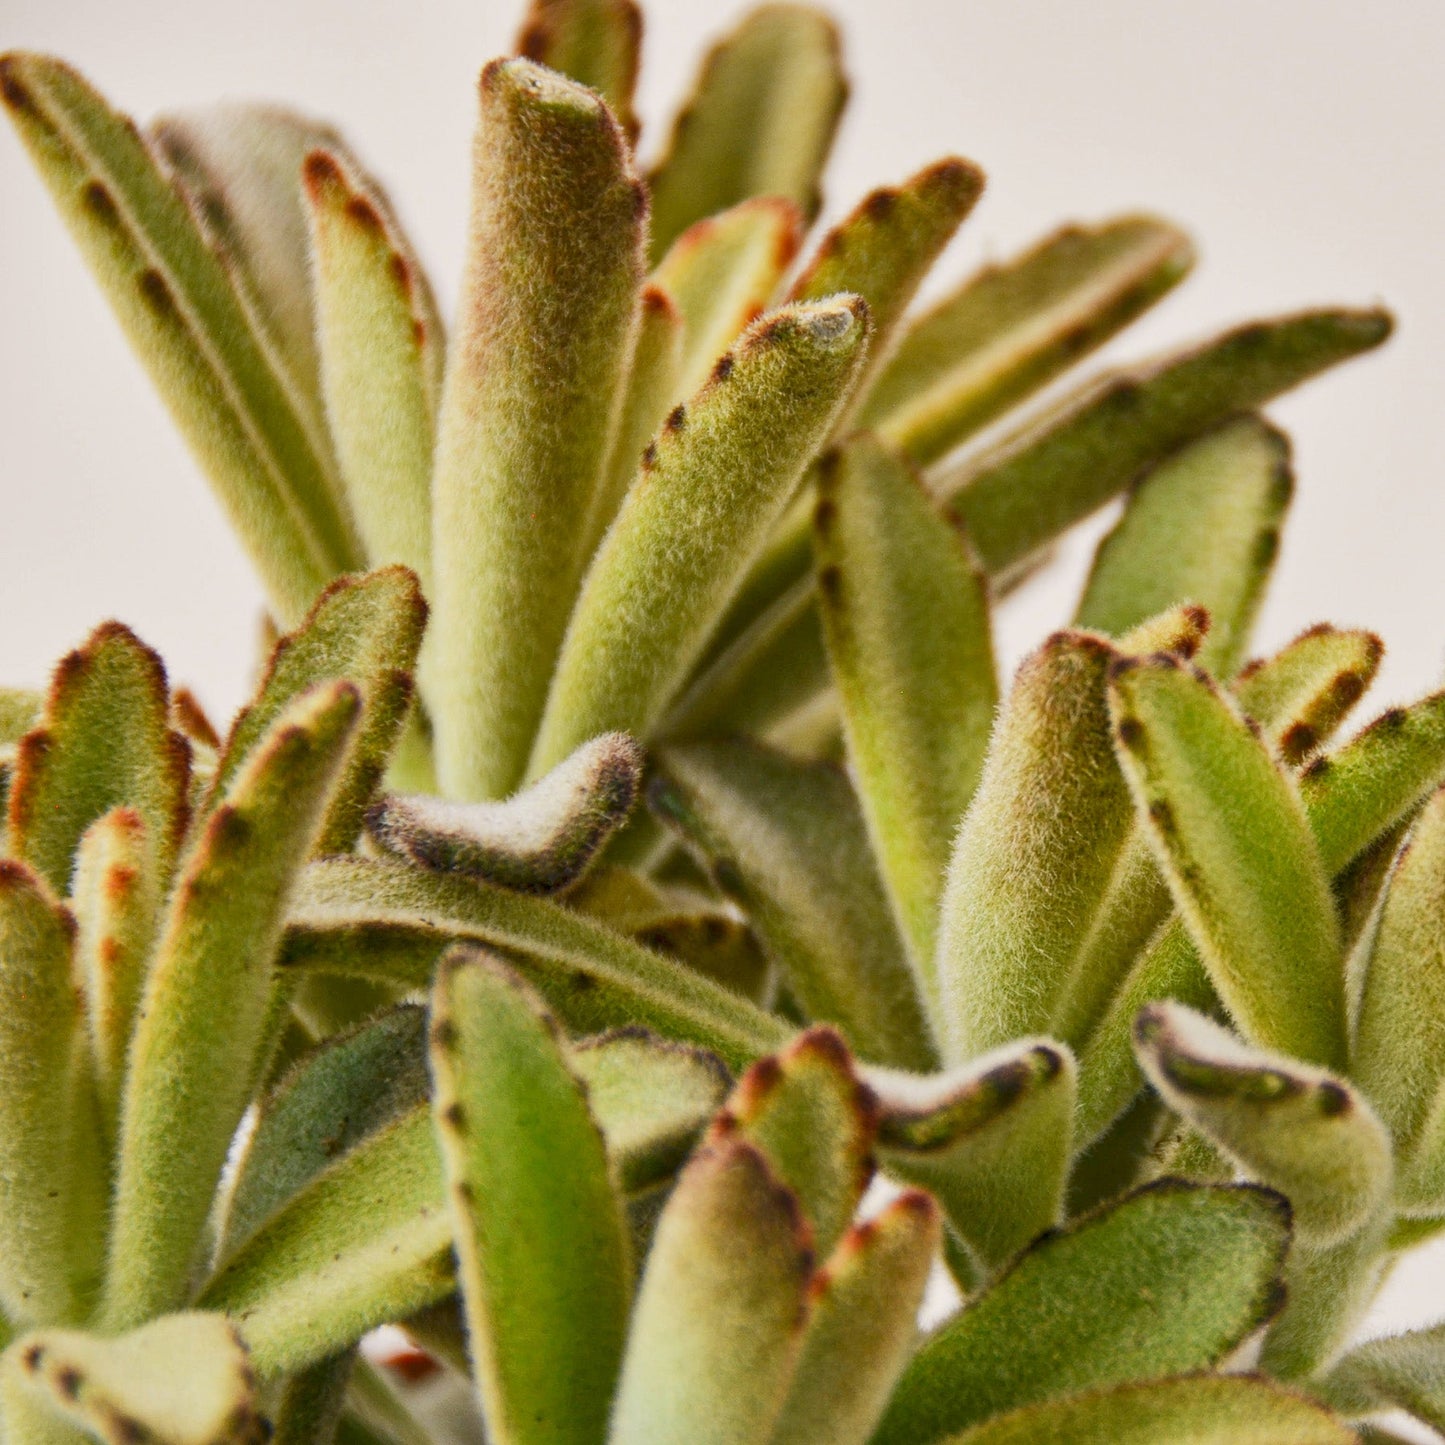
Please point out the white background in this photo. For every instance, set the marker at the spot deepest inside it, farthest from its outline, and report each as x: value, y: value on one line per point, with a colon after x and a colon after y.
x: 1301, y: 141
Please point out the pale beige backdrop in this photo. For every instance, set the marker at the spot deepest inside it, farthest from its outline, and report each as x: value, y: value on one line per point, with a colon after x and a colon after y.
x: 1302, y: 141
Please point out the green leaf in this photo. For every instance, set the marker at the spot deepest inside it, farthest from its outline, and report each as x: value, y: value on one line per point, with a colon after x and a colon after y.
x: 1036, y: 852
x: 352, y: 1085
x: 721, y: 1310
x: 1194, y: 1410
x: 1300, y: 1130
x: 309, y: 1404
x: 1303, y: 693
x: 379, y: 362
x: 722, y: 273
x: 716, y: 944
x: 905, y: 614
x: 1169, y: 1279
x: 990, y: 1141
x: 103, y: 743
x: 1404, y: 1371
x: 786, y: 842
x: 1013, y: 327
x: 1058, y: 468
x: 204, y: 1014
x: 1202, y: 526
x: 596, y: 42
x: 350, y: 908
x: 180, y: 1380
x: 182, y: 314
x: 541, y: 840
x: 862, y: 1326
x: 759, y: 122
x: 365, y: 630
x: 543, y: 1256
x: 52, y: 1209
x: 535, y: 378
x: 1232, y: 838
x: 707, y: 497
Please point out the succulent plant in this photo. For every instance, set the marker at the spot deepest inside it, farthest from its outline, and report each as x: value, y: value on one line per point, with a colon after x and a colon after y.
x: 395, y: 1006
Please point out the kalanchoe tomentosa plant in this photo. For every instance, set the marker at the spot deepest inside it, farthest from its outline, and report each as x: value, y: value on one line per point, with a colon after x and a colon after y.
x: 394, y: 1006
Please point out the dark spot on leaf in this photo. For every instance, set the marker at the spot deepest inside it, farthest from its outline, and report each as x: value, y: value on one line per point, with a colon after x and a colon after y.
x: 1334, y: 1099
x: 676, y: 418
x: 1162, y: 815
x: 153, y: 287
x: 723, y: 367
x: 68, y: 1382
x: 1131, y: 733
x: 1297, y: 740
x: 456, y: 1117
x: 16, y: 96
x: 99, y: 202
x: 320, y: 169
x: 649, y: 456
x: 830, y: 583
x: 824, y: 515
x: 879, y: 205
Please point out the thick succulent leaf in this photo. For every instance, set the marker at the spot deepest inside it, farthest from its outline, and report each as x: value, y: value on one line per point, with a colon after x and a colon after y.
x: 181, y: 312
x: 1169, y: 1279
x: 309, y: 1403
x: 1232, y: 838
x: 543, y: 1255
x: 1202, y: 526
x: 1036, y: 852
x: 104, y: 742
x: 375, y: 326
x: 180, y: 1380
x: 596, y: 42
x: 862, y: 1325
x: 51, y: 1169
x: 760, y: 121
x: 116, y: 900
x: 1013, y: 327
x: 905, y: 614
x: 1194, y: 1410
x: 539, y: 841
x: 722, y: 273
x: 1399, y: 1049
x: 716, y: 944
x: 1058, y: 468
x: 534, y: 380
x: 815, y: 1122
x: 653, y: 1098
x: 1303, y: 693
x: 354, y: 915
x: 710, y: 489
x: 721, y: 1310
x: 351, y: 1086
x: 785, y: 840
x: 364, y: 630
x: 208, y: 1001
x: 1300, y: 1130
x: 376, y: 1416
x: 991, y: 1141
x: 884, y: 247
x: 1404, y: 1371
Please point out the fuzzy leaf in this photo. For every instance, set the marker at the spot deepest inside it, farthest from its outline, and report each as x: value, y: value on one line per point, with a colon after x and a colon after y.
x: 717, y: 945
x: 543, y: 1256
x: 1058, y: 468
x: 862, y: 1325
x: 182, y: 314
x: 1194, y: 1410
x: 905, y: 614
x: 1011, y: 328
x: 786, y: 842
x: 1300, y: 1130
x: 1233, y: 840
x: 706, y: 499
x: 721, y: 1310
x: 204, y: 1013
x: 760, y: 121
x: 104, y: 742
x: 540, y: 841
x: 180, y: 1380
x: 1302, y: 693
x: 596, y: 42
x: 51, y: 1170
x: 1404, y: 1371
x: 1035, y: 853
x: 991, y: 1142
x: 377, y: 338
x: 350, y: 908
x: 353, y: 1085
x: 1169, y: 1279
x: 1203, y: 527
x: 534, y: 380
x: 722, y: 273
x: 309, y: 1404
x: 364, y: 630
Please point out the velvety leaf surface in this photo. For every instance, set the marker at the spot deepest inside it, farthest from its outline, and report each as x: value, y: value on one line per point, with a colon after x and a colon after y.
x: 596, y: 42
x: 1405, y: 1371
